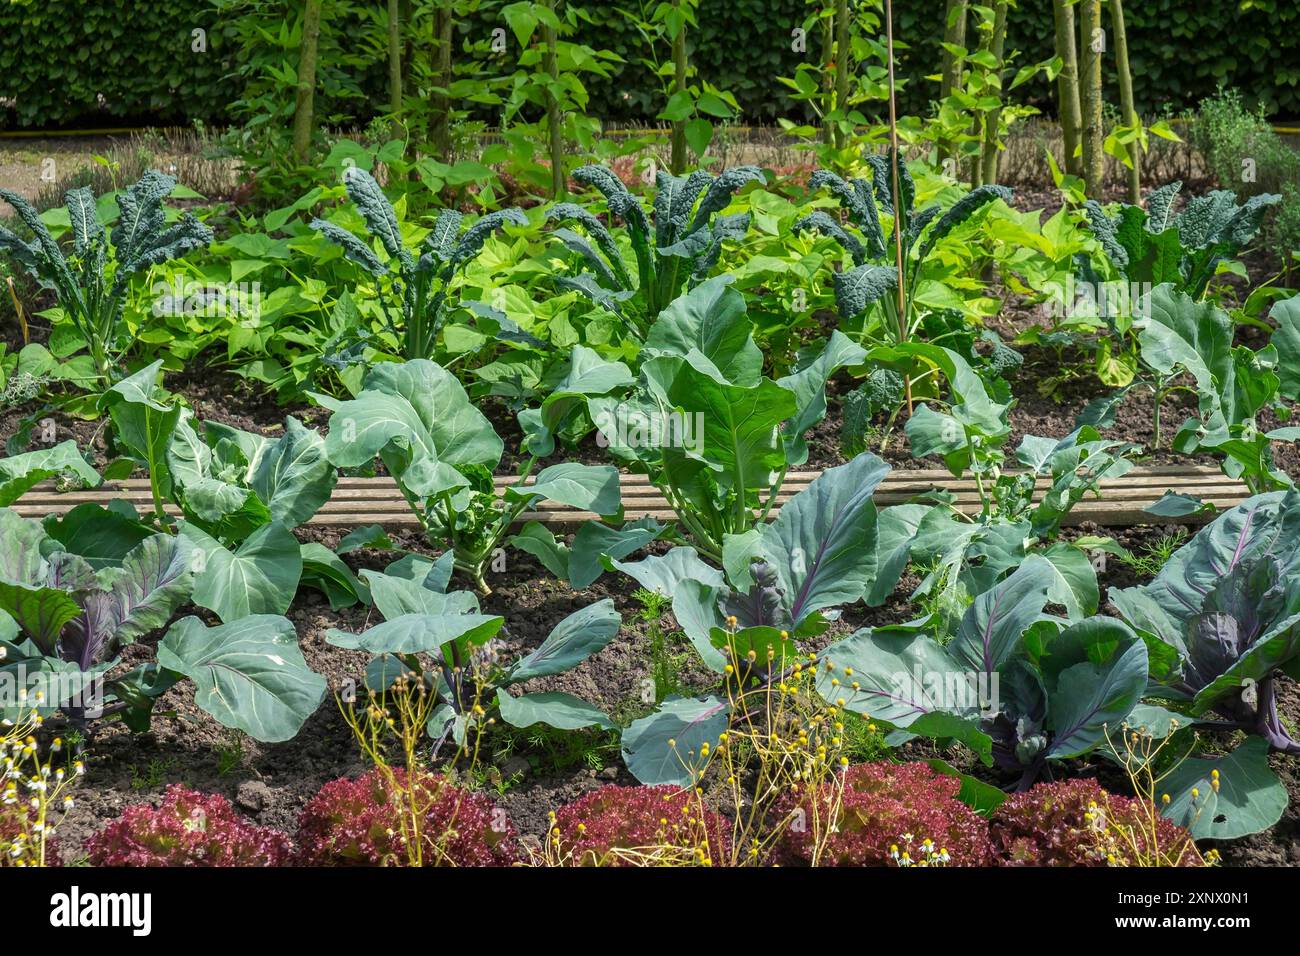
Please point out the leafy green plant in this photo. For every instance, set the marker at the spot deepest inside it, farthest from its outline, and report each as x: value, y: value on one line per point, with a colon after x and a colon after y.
x: 92, y: 282
x: 1156, y: 245
x: 239, y: 495
x: 75, y: 616
x: 1018, y: 686
x: 421, y: 617
x: 702, y: 421
x: 1222, y: 623
x: 441, y: 451
x: 873, y: 277
x: 673, y: 254
x: 414, y: 290
x: 778, y: 583
x: 1178, y: 336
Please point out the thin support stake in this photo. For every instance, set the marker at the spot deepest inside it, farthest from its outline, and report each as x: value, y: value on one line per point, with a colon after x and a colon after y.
x: 898, y: 206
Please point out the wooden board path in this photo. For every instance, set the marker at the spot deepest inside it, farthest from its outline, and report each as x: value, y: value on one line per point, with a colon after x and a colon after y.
x: 364, y: 501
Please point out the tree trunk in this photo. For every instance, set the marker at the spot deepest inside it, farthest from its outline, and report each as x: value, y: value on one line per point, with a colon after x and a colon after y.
x: 677, y: 161
x: 1126, y: 99
x: 1067, y: 86
x: 395, y: 59
x: 554, y: 119
x: 303, y: 117
x: 950, y: 69
x: 1094, y: 46
x: 989, y: 148
x: 842, y: 56
x: 442, y: 99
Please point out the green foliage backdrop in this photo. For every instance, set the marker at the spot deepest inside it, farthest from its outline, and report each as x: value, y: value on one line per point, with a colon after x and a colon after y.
x: 96, y: 62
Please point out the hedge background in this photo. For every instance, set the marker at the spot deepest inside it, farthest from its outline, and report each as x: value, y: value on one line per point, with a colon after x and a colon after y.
x: 129, y: 62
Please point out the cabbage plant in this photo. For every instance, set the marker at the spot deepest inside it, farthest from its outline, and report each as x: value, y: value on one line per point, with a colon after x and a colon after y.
x: 1020, y: 687
x: 441, y: 451
x: 72, y: 599
x: 714, y: 434
x: 780, y: 583
x: 444, y: 638
x: 1222, y: 617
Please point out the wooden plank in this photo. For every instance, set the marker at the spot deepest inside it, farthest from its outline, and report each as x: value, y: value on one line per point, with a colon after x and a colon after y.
x: 360, y: 501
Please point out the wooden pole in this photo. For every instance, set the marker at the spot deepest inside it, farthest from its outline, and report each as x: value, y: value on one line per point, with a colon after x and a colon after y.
x: 897, y: 193
x: 395, y: 58
x: 1126, y: 99
x: 677, y: 161
x: 554, y: 118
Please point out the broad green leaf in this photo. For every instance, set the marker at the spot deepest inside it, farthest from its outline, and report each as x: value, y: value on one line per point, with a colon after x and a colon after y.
x: 664, y: 747
x: 19, y: 473
x: 259, y: 577
x: 1250, y: 797
x: 562, y: 711
x: 823, y: 543
x: 572, y: 641
x: 420, y: 633
x: 248, y: 674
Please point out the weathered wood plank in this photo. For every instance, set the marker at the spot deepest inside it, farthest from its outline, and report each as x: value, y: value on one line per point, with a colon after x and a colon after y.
x: 360, y: 501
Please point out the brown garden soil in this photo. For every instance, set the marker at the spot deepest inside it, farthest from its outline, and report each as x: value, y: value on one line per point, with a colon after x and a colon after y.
x: 528, y: 775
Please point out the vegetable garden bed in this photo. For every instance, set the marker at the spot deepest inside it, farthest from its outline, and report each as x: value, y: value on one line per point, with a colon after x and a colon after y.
x: 460, y: 496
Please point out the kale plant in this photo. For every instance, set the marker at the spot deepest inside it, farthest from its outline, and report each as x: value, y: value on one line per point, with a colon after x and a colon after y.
x: 874, y: 275
x: 414, y: 292
x: 1152, y: 246
x: 91, y: 283
x: 673, y: 254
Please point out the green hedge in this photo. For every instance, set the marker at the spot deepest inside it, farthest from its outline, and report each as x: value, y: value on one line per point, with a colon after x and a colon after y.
x: 58, y: 58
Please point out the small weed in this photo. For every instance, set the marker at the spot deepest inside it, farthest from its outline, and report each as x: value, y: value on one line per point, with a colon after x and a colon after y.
x: 153, y: 776
x: 1147, y: 561
x: 230, y: 754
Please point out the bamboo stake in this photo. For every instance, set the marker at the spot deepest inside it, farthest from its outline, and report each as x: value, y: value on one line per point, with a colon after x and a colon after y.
x: 898, y: 200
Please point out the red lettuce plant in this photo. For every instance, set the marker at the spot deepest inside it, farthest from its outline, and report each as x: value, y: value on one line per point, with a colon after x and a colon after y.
x: 882, y: 809
x: 626, y: 826
x: 359, y: 823
x: 188, y: 829
x: 1077, y: 823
